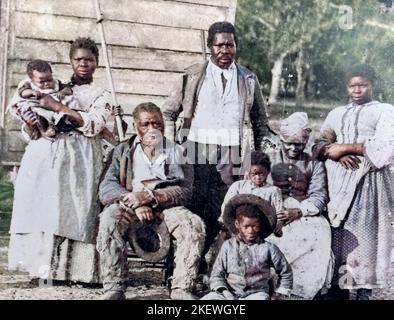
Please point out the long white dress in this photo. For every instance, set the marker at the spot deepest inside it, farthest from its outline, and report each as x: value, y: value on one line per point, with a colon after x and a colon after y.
x: 362, y: 201
x: 55, y: 214
x: 306, y: 242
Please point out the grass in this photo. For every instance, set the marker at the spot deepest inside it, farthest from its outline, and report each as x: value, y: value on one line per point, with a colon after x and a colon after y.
x: 6, y: 197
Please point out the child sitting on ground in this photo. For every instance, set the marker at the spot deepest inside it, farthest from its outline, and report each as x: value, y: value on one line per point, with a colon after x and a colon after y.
x: 242, y: 267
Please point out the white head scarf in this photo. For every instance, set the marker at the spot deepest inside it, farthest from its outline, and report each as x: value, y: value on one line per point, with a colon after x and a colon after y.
x: 295, y: 128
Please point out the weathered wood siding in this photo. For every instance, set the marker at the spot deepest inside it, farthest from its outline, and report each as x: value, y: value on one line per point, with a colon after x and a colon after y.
x: 149, y: 41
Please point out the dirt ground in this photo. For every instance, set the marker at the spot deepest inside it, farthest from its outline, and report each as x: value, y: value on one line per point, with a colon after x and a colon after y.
x: 145, y: 284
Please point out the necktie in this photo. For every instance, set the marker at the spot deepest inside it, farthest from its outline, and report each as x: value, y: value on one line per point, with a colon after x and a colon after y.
x: 224, y: 81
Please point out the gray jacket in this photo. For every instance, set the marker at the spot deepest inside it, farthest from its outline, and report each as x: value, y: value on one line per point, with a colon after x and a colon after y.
x: 118, y: 177
x: 244, y: 269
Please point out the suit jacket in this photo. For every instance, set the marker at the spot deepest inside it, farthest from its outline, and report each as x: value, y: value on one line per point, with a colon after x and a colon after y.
x: 253, y: 121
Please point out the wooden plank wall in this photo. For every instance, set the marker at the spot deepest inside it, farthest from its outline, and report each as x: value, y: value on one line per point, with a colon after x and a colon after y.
x: 149, y: 41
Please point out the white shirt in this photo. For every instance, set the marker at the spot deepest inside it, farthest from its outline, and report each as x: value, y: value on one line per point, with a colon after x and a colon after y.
x: 217, y: 114
x: 147, y: 169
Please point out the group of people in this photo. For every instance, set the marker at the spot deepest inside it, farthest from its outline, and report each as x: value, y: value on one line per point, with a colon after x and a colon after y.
x: 243, y: 204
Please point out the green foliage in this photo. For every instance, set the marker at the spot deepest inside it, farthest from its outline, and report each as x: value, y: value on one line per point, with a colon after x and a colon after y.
x: 331, y: 36
x: 269, y: 28
x: 338, y: 48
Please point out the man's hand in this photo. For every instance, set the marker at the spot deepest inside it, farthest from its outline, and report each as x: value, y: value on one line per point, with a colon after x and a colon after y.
x: 144, y: 213
x: 289, y: 215
x: 136, y: 199
x: 126, y: 218
x: 349, y: 162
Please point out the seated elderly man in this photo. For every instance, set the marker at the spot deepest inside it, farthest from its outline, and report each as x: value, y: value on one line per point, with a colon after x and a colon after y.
x: 145, y: 157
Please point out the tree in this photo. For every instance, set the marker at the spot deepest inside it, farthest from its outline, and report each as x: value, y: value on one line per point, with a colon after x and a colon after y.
x: 284, y: 28
x: 369, y: 39
x: 317, y: 39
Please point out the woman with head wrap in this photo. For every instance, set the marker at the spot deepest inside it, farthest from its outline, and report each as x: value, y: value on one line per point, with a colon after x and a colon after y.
x: 306, y: 239
x: 357, y: 140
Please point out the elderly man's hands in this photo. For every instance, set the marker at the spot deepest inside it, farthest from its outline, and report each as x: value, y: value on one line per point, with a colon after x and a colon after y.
x: 136, y: 203
x: 129, y: 216
x: 144, y: 213
x: 289, y: 215
x: 136, y: 199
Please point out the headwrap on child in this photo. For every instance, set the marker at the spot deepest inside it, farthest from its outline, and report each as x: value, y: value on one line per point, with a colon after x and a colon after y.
x: 295, y: 128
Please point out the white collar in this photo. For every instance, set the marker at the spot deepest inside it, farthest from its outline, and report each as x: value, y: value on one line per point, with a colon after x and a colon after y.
x: 160, y: 159
x: 217, y: 71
